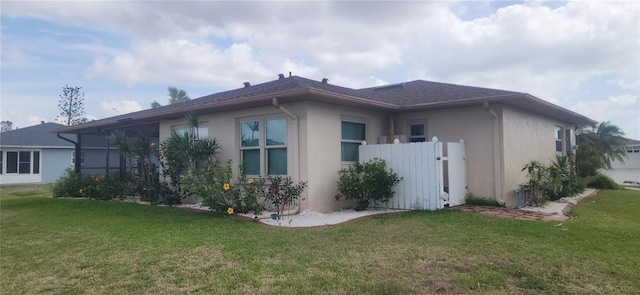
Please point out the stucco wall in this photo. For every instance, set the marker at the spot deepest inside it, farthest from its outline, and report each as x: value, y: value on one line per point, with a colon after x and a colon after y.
x: 475, y: 126
x: 323, y: 137
x: 526, y: 137
x: 313, y: 143
x: 225, y: 128
x: 54, y: 162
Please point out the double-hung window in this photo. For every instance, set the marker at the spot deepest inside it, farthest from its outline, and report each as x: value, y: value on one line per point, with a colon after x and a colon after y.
x: 558, y: 139
x: 263, y: 146
x: 353, y: 134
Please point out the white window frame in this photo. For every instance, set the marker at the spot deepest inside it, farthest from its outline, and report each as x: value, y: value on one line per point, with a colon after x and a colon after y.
x: 31, y: 163
x: 262, y: 147
x: 358, y: 141
x: 559, y: 138
x: 424, y: 126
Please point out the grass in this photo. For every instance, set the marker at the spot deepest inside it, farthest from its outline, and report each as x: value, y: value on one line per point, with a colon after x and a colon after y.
x: 81, y: 246
x: 14, y: 191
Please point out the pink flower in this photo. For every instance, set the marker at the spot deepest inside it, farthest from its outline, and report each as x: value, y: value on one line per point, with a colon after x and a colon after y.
x: 272, y: 191
x: 153, y: 144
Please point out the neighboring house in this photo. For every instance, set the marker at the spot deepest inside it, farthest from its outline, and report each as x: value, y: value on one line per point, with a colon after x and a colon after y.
x: 36, y: 155
x: 310, y: 129
x: 629, y: 171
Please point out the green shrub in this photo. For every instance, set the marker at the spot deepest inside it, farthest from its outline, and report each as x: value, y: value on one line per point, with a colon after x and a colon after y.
x: 282, y: 193
x: 71, y: 185
x: 551, y: 182
x: 106, y: 188
x: 601, y: 181
x: 220, y: 190
x: 366, y: 182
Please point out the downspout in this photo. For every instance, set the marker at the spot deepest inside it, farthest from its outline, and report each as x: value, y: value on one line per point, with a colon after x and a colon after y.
x: 77, y: 165
x: 497, y: 151
x: 106, y: 172
x: 296, y: 151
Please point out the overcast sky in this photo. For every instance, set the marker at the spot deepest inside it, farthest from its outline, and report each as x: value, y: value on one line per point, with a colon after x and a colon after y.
x: 584, y: 56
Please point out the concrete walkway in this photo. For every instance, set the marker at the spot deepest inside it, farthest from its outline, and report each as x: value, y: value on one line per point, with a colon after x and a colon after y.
x: 557, y: 210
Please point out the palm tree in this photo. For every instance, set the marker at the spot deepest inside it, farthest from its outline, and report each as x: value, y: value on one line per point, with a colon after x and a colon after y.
x: 613, y: 144
x: 177, y: 95
x: 606, y: 139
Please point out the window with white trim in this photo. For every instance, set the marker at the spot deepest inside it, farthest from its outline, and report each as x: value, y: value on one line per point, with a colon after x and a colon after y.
x: 263, y: 146
x: 353, y: 134
x: 558, y: 139
x: 417, y: 131
x: 21, y: 162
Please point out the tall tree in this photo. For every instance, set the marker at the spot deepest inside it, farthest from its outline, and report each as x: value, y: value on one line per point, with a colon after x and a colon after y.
x: 597, y: 147
x: 71, y: 105
x: 614, y: 145
x: 6, y: 126
x: 177, y: 95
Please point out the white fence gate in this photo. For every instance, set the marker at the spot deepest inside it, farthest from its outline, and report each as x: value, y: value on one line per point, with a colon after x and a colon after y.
x: 421, y: 166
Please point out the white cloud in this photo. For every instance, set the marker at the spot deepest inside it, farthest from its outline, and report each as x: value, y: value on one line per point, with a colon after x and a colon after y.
x: 553, y: 53
x: 114, y: 108
x: 182, y: 61
x: 623, y: 111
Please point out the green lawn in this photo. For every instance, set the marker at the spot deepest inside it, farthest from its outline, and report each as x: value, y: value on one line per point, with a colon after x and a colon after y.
x: 55, y: 246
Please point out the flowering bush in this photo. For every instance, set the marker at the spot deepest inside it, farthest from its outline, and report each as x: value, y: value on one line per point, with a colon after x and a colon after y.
x: 282, y: 193
x: 220, y: 190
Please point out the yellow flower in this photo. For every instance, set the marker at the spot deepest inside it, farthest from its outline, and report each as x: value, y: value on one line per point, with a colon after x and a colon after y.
x: 209, y: 187
x: 226, y: 186
x: 80, y: 190
x: 250, y: 181
x: 230, y: 211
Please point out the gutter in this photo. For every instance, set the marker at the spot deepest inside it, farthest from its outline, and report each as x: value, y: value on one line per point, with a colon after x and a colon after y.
x: 296, y: 151
x: 77, y: 166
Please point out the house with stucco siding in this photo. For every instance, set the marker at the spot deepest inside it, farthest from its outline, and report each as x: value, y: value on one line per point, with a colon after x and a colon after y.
x: 310, y: 129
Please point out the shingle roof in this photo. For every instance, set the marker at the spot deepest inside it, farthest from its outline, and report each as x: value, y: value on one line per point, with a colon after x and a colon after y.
x: 632, y: 141
x: 35, y: 136
x: 417, y: 94
x: 421, y: 92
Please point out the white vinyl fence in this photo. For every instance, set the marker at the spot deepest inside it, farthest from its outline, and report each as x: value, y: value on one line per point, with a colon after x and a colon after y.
x: 421, y: 165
